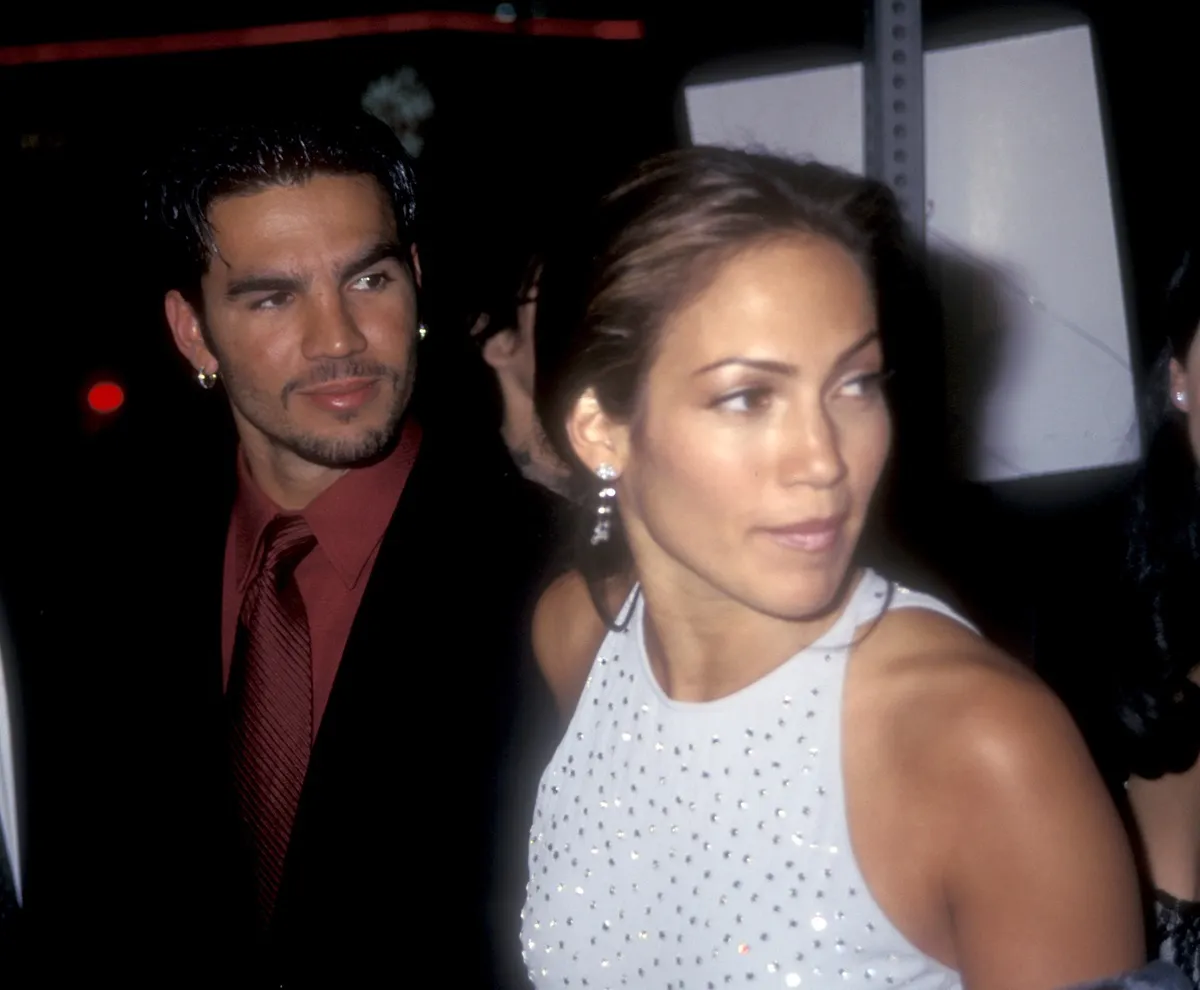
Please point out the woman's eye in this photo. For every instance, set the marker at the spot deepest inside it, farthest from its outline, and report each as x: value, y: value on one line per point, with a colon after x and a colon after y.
x: 745, y: 400
x: 861, y: 386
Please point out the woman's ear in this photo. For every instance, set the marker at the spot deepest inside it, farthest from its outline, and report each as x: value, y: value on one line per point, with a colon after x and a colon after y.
x: 595, y: 437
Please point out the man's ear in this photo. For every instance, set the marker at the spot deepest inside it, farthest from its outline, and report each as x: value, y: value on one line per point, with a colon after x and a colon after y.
x: 186, y: 331
x: 416, y: 264
x: 595, y: 437
x: 500, y: 348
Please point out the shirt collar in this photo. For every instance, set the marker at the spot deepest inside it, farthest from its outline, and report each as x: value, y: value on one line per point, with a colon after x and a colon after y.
x: 348, y: 519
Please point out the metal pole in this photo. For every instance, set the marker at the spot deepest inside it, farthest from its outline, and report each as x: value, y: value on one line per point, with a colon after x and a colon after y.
x: 894, y: 104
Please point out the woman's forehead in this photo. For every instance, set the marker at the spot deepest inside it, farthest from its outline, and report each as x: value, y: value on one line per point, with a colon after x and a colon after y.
x: 800, y: 298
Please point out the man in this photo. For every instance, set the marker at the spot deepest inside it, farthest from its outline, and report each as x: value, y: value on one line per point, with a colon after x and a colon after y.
x: 311, y: 672
x: 497, y: 364
x: 503, y: 332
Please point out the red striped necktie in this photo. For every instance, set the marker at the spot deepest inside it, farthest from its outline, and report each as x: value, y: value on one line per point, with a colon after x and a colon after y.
x: 270, y: 697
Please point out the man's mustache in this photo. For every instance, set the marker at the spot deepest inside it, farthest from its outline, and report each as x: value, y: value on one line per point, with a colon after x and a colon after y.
x: 329, y: 371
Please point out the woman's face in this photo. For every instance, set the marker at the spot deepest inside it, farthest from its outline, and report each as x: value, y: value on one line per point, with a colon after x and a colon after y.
x: 1185, y: 391
x: 749, y: 468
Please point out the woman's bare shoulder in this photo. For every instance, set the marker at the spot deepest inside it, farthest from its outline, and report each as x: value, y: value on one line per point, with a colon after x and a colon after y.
x: 1014, y: 806
x: 974, y: 724
x: 953, y: 686
x: 568, y: 631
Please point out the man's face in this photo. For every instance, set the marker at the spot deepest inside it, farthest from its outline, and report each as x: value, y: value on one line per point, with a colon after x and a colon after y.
x: 310, y: 318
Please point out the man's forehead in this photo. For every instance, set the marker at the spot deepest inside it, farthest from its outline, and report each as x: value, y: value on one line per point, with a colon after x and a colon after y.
x: 325, y: 217
x: 353, y: 198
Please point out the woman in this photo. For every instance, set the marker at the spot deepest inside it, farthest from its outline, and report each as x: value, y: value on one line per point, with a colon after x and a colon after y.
x: 1158, y: 700
x: 781, y: 770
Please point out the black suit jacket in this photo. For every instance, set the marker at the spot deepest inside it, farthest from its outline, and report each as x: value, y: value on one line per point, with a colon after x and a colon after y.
x: 394, y: 872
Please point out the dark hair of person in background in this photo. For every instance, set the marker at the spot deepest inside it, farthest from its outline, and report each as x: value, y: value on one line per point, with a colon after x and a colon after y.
x: 494, y: 331
x: 476, y: 298
x: 502, y: 288
x: 656, y: 240
x: 1152, y: 660
x: 1158, y: 702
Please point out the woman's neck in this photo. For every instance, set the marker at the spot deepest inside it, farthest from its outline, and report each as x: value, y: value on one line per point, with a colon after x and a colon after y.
x: 703, y: 645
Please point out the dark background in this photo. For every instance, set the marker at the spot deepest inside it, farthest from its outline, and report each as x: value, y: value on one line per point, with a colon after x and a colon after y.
x: 524, y: 127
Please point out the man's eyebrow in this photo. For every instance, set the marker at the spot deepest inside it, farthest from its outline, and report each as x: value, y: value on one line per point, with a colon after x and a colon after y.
x: 262, y: 283
x: 373, y: 255
x: 278, y: 282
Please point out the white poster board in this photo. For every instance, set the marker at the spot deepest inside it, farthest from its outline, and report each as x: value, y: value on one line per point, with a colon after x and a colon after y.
x: 1020, y: 227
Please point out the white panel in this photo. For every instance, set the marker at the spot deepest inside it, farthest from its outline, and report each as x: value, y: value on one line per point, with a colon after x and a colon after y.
x: 1017, y: 180
x: 816, y: 113
x: 1020, y: 226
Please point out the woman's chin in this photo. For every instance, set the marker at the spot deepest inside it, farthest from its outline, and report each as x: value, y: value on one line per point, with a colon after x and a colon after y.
x: 801, y: 599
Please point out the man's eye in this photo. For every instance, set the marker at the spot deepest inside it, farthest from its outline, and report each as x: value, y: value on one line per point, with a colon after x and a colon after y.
x: 273, y: 301
x: 375, y: 280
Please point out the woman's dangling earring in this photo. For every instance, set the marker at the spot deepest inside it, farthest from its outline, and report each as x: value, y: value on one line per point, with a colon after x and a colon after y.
x: 207, y: 379
x: 604, y: 511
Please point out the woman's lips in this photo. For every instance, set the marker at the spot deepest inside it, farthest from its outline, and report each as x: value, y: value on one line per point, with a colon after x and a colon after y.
x: 811, y: 536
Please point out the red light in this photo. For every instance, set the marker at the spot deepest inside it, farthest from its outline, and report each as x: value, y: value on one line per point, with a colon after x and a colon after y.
x: 106, y: 397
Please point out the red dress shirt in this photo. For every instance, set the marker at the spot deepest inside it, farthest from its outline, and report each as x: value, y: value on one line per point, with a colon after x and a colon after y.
x: 349, y: 520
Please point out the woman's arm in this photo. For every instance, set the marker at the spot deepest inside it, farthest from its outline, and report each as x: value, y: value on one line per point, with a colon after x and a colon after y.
x: 1039, y: 878
x: 567, y: 633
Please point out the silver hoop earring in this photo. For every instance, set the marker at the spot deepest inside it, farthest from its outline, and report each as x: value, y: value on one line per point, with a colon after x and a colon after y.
x: 1181, y: 398
x: 422, y: 330
x: 207, y: 379
x: 604, y: 511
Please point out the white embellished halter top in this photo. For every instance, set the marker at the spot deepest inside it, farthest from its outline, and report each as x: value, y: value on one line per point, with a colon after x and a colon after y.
x: 699, y: 846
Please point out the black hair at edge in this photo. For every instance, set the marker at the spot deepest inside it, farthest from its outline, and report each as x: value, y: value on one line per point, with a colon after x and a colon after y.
x: 1158, y: 646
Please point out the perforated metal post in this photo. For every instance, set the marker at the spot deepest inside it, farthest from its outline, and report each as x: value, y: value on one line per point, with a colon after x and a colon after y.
x: 894, y: 104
